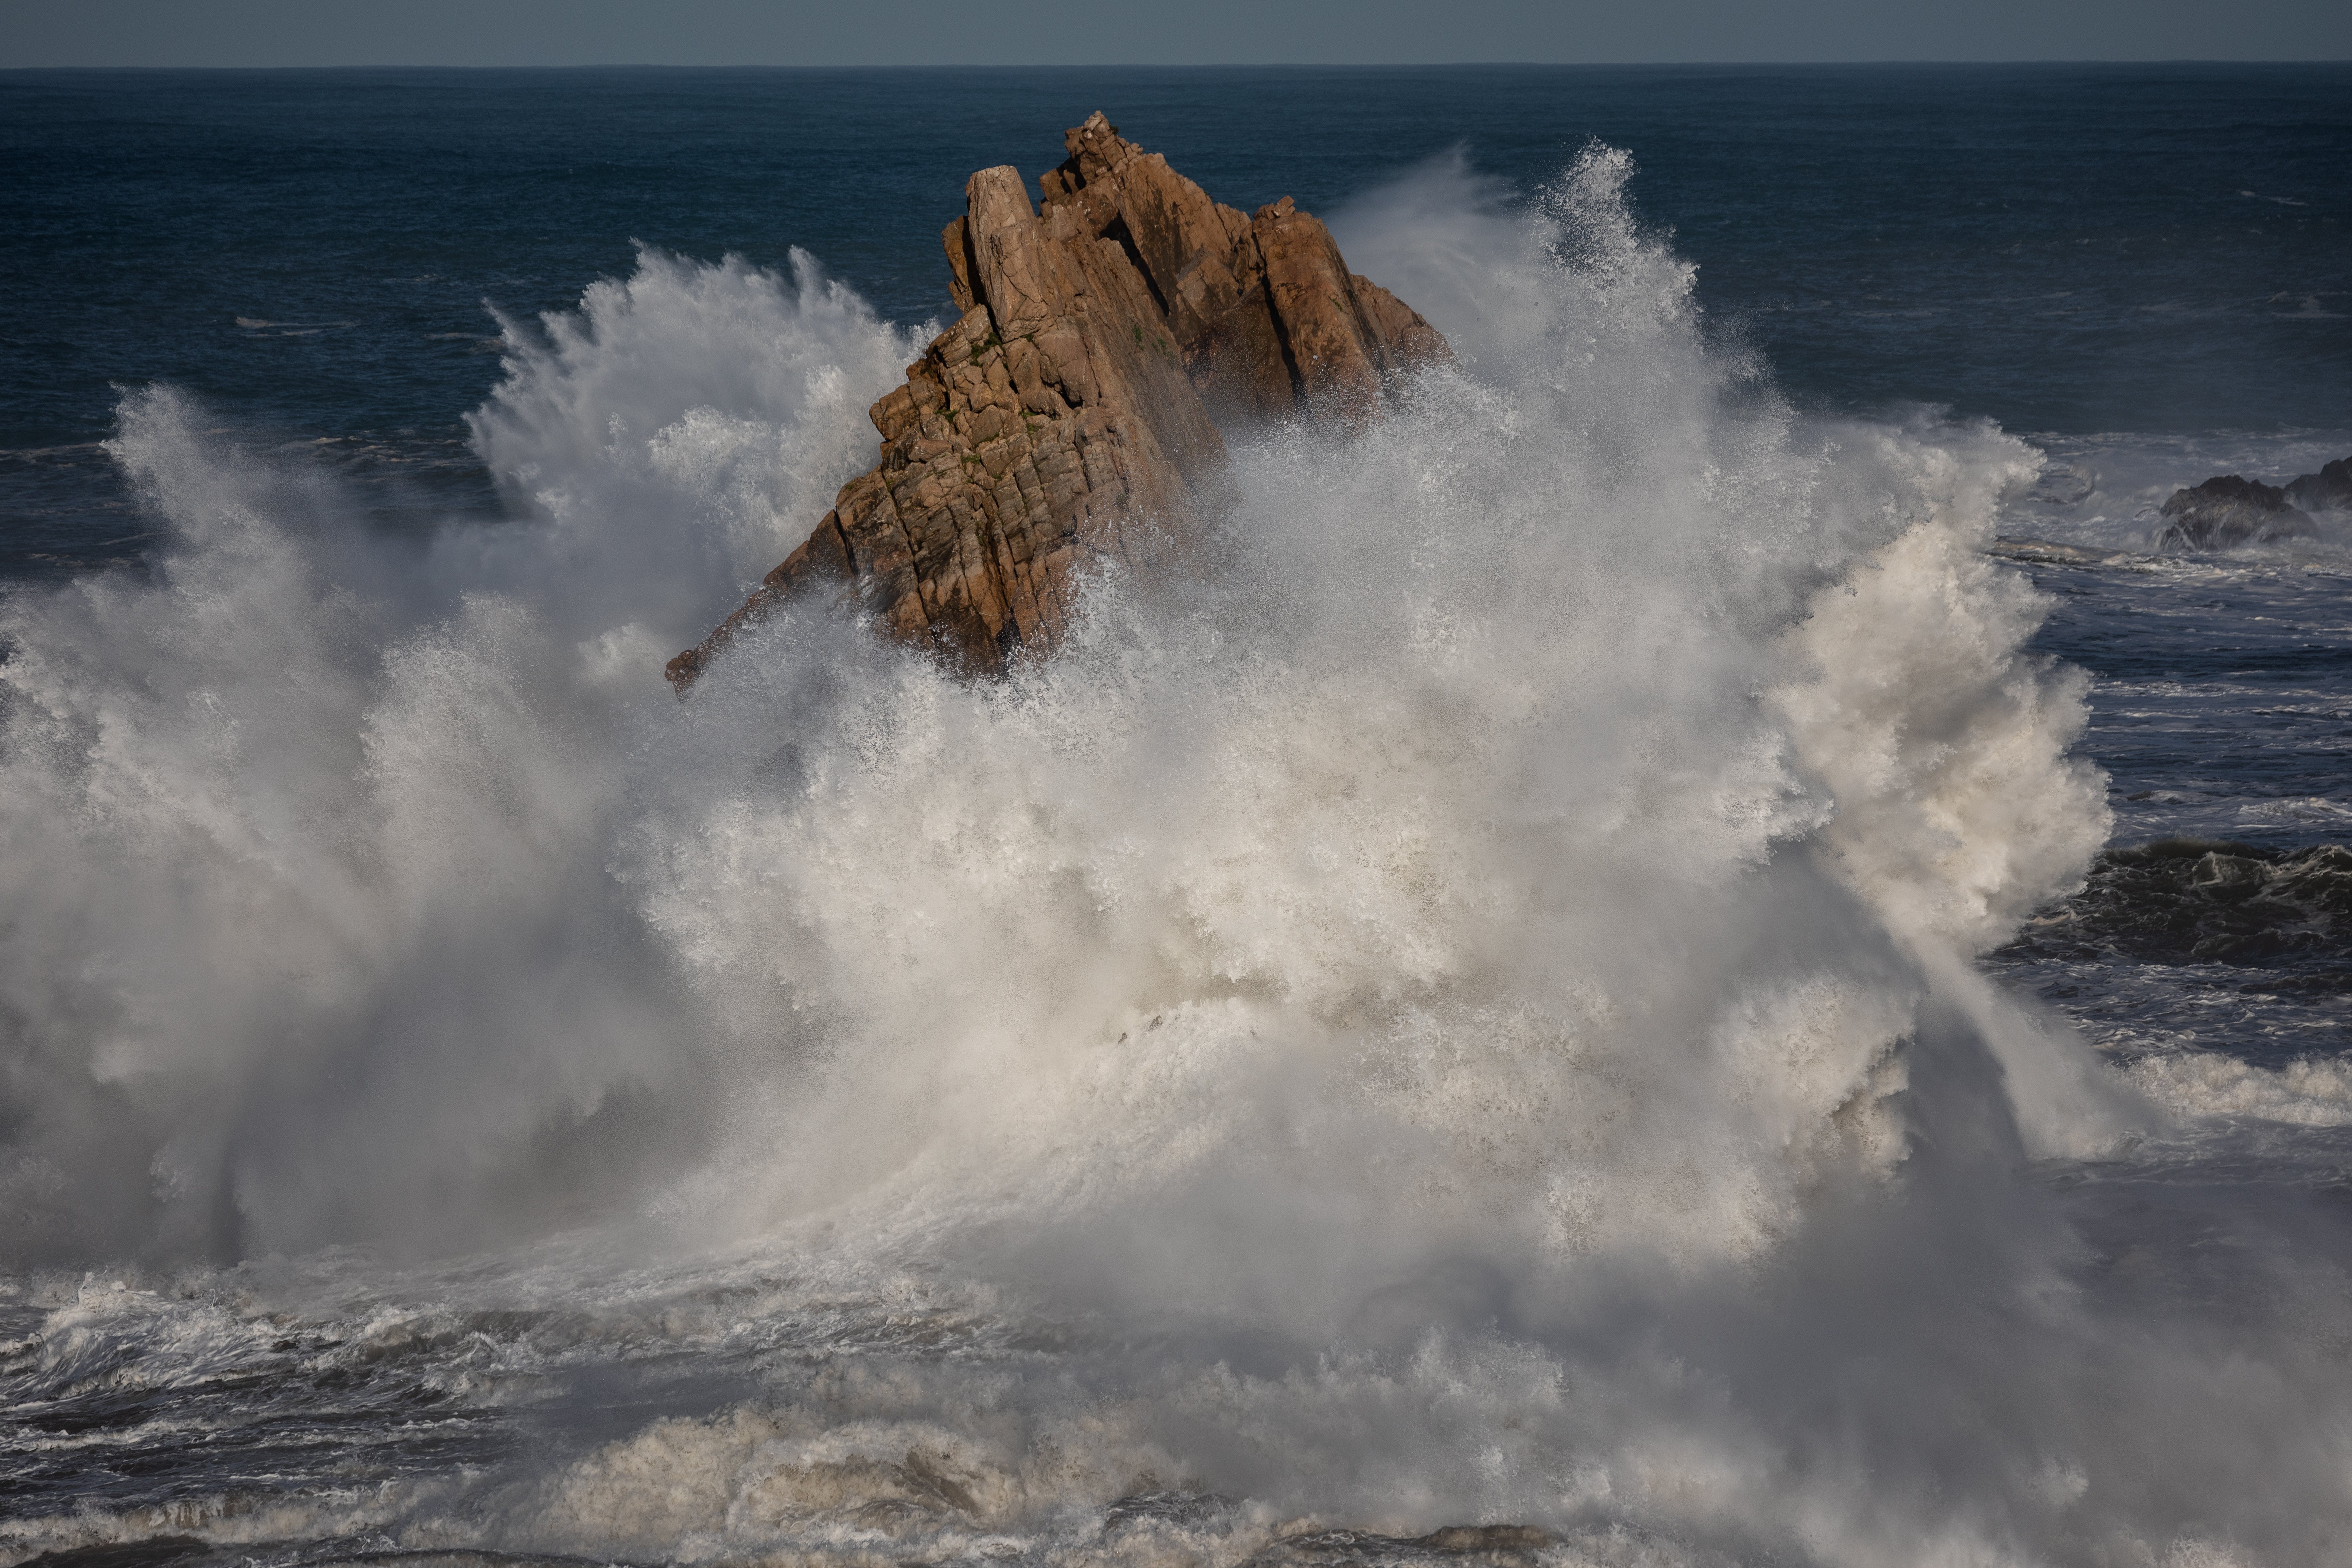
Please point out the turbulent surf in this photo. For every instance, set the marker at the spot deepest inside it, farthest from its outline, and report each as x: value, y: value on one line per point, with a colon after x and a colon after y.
x: 1457, y: 1027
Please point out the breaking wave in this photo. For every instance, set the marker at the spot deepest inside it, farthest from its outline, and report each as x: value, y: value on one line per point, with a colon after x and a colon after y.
x: 1463, y: 1013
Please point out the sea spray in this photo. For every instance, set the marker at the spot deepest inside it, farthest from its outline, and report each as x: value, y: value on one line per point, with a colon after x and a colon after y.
x: 1457, y: 1015
x: 310, y: 823
x: 1437, y: 861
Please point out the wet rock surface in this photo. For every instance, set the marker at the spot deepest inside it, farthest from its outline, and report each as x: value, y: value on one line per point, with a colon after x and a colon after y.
x: 2330, y: 490
x: 1072, y: 412
x: 2229, y: 511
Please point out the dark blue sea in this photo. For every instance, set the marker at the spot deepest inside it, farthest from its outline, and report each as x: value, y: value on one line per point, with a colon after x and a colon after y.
x: 1703, y: 946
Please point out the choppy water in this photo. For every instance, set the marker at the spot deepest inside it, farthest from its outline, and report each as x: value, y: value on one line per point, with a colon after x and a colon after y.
x: 1694, y: 946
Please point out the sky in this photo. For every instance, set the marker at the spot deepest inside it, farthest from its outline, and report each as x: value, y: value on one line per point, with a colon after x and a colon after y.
x: 1155, y: 32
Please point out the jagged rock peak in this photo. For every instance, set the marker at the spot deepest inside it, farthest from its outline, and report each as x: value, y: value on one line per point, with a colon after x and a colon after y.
x: 1262, y: 308
x: 1068, y: 414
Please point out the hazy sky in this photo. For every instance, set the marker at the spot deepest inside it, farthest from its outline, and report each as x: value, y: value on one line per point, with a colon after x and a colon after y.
x: 1156, y: 32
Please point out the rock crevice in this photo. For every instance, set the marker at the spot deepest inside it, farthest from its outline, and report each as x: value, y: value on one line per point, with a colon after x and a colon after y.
x: 1073, y: 411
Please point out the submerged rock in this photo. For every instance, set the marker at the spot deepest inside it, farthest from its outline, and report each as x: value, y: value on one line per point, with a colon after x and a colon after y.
x: 2051, y: 552
x: 2229, y: 511
x: 1488, y: 1545
x: 1068, y: 413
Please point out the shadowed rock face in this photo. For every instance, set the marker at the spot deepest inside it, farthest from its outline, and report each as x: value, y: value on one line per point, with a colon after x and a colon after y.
x: 2330, y: 490
x: 2229, y: 511
x: 1067, y: 415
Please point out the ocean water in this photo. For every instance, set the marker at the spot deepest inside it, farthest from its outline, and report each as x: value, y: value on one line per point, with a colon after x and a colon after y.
x: 1694, y: 951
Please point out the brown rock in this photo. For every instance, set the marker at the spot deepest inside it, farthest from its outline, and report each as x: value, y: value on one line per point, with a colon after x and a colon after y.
x: 1066, y: 415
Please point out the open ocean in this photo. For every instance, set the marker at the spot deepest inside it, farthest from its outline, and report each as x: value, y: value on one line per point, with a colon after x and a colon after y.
x: 1698, y: 949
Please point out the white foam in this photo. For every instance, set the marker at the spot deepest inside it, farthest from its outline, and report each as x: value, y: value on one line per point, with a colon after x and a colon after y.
x: 2204, y: 1084
x: 1466, y: 1004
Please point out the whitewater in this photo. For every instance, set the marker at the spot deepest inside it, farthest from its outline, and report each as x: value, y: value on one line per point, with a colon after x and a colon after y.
x: 1469, y: 1009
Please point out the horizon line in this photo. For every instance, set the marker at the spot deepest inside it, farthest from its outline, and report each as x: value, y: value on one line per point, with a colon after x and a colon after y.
x: 1197, y: 65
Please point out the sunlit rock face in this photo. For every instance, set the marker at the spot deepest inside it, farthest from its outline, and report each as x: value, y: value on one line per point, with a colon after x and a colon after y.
x: 1072, y: 410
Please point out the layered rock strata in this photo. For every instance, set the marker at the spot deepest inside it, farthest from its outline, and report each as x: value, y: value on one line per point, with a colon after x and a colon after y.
x: 1068, y: 414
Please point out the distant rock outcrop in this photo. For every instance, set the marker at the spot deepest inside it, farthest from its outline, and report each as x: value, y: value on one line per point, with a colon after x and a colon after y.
x: 1068, y: 413
x: 2229, y: 511
x: 2330, y: 490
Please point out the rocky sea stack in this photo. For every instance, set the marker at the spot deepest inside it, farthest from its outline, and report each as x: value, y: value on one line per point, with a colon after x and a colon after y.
x: 1073, y: 411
